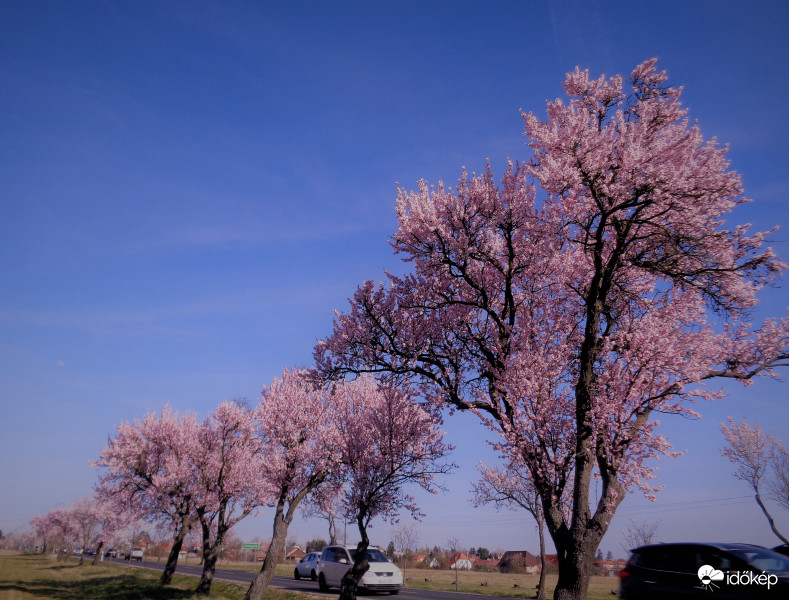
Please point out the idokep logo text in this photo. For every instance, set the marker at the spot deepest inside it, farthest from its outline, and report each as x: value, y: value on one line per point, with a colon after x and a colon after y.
x: 709, y: 576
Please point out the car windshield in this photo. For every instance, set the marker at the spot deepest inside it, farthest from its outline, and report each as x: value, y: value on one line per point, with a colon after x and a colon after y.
x: 764, y: 560
x: 373, y: 555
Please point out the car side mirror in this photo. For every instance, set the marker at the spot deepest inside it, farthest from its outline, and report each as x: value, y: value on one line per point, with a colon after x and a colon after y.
x: 343, y: 561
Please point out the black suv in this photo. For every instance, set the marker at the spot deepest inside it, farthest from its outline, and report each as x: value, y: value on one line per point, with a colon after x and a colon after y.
x: 712, y: 571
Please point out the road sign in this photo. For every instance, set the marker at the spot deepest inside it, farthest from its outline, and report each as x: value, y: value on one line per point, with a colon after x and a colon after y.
x: 250, y: 546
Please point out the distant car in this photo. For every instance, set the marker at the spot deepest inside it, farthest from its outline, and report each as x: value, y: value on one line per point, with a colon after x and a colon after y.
x: 307, y: 566
x: 111, y: 553
x: 335, y: 561
x: 734, y: 571
x: 90, y: 552
x: 135, y: 553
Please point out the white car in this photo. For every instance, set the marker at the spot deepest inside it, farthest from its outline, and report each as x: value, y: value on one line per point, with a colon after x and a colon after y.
x: 307, y: 566
x: 336, y: 561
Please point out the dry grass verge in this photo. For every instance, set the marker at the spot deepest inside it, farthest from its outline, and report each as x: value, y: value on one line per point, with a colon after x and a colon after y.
x: 35, y: 576
x: 508, y: 585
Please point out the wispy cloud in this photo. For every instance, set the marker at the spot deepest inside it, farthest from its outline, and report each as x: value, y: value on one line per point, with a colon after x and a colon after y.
x: 189, y: 319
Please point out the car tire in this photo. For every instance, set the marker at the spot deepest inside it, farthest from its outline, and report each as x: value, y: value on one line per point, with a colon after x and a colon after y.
x: 394, y: 592
x: 322, y: 583
x: 296, y: 575
x: 314, y: 575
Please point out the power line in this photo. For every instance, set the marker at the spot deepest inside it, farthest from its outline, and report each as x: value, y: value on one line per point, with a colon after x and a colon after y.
x: 518, y: 516
x: 687, y: 505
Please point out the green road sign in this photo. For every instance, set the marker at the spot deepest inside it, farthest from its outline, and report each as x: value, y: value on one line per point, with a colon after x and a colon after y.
x: 250, y: 546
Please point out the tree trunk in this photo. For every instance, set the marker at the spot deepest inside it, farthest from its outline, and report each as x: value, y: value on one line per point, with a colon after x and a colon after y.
x: 774, y: 529
x: 98, y: 553
x: 175, y: 550
x: 575, y: 564
x: 172, y: 560
x: 350, y: 582
x: 211, y: 553
x: 263, y: 579
x: 210, y: 556
x: 332, y: 530
x: 543, y: 561
x: 576, y: 545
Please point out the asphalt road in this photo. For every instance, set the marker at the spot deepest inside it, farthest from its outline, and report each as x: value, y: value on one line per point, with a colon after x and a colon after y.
x: 303, y: 585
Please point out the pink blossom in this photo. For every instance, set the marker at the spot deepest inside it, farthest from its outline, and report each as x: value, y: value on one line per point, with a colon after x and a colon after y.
x: 595, y: 287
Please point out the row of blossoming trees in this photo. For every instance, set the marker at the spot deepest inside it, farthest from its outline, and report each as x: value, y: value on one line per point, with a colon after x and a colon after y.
x: 355, y: 444
x: 596, y: 287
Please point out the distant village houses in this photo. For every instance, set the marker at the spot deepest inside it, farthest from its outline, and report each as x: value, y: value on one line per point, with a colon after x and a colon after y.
x: 609, y: 567
x: 463, y: 562
x: 519, y: 561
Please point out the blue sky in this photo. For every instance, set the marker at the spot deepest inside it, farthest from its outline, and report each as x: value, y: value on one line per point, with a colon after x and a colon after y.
x: 188, y: 190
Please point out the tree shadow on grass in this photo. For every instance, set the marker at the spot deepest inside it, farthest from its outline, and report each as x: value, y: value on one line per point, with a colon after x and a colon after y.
x: 120, y: 587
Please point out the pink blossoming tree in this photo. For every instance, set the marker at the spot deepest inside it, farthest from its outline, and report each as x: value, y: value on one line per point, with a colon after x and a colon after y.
x: 148, y: 470
x: 388, y: 443
x: 511, y: 487
x: 761, y: 459
x: 226, y: 472
x: 596, y: 287
x: 90, y: 521
x: 45, y: 532
x: 55, y: 529
x: 297, y: 421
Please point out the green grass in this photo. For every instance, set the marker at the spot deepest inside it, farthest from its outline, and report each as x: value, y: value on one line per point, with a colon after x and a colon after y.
x: 505, y: 585
x: 28, y: 577
x: 31, y: 577
x: 286, y: 570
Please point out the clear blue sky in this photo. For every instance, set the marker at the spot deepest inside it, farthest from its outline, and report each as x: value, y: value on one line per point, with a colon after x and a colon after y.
x: 188, y: 190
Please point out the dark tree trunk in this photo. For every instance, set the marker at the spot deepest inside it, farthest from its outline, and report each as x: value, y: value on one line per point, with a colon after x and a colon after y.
x: 543, y: 561
x: 350, y: 582
x: 282, y: 521
x: 178, y: 542
x: 575, y: 566
x: 211, y: 552
x: 172, y: 560
x: 211, y: 548
x: 210, y: 556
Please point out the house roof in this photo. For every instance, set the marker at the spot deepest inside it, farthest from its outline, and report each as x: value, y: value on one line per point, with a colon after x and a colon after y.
x: 525, y: 558
x: 487, y: 562
x: 610, y: 564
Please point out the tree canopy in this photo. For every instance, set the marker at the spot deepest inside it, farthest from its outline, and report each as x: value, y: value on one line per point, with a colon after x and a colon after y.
x: 596, y: 286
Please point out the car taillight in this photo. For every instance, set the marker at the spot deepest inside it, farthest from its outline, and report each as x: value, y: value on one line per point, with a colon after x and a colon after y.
x: 623, y: 574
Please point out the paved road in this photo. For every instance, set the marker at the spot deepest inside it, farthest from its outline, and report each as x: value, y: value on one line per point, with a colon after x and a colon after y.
x: 304, y: 585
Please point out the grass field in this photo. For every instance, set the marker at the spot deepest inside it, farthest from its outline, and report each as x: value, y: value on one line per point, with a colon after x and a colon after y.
x: 500, y: 584
x: 29, y: 577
